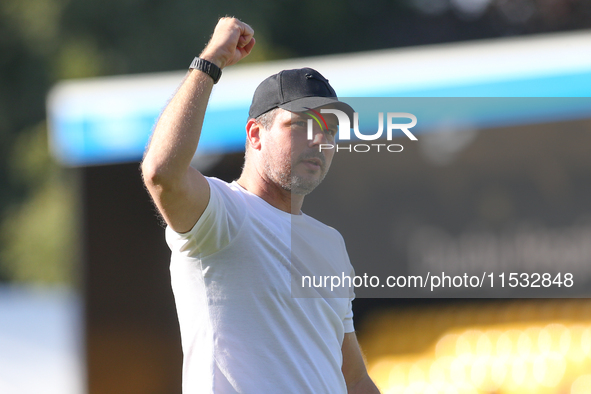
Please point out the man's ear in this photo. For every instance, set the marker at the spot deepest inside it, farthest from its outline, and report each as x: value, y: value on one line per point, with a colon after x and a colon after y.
x: 253, y: 131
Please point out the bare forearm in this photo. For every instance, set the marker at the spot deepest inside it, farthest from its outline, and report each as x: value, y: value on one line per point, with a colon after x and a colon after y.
x: 354, y: 371
x: 364, y: 386
x: 177, y: 132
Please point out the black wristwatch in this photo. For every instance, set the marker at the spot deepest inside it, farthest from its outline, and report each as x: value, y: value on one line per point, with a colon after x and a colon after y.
x: 207, y: 67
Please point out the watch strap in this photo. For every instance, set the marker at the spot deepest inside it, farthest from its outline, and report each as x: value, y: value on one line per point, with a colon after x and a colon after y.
x: 207, y: 67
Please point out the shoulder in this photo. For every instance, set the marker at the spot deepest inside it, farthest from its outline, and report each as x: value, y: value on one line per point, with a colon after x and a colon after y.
x: 218, y: 225
x: 318, y: 224
x: 324, y: 228
x: 219, y: 184
x: 227, y: 191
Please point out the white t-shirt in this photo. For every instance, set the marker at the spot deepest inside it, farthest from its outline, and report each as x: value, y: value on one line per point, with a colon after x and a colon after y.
x: 241, y: 329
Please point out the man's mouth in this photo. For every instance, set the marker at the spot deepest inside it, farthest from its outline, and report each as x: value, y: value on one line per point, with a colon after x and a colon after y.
x: 313, y: 163
x: 317, y: 162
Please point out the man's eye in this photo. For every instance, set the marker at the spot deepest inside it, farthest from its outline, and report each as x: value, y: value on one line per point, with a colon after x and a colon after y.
x: 298, y: 123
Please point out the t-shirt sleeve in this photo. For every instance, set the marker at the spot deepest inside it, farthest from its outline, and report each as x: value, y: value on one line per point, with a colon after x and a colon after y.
x: 216, y: 227
x: 348, y: 320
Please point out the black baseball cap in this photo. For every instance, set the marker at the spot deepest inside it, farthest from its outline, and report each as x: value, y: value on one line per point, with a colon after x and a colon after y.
x: 297, y: 91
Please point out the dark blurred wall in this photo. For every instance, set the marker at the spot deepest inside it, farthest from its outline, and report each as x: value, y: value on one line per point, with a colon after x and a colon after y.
x: 132, y: 342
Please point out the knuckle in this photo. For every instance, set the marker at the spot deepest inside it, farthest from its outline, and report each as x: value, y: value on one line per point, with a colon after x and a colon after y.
x: 227, y: 20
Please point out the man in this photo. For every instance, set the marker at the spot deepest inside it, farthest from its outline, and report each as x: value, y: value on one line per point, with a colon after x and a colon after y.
x: 242, y: 330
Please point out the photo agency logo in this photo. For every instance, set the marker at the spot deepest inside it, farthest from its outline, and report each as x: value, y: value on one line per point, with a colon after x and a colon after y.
x: 344, y: 130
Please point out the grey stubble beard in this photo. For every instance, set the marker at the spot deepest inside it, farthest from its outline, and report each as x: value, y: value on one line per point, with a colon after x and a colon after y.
x: 294, y: 183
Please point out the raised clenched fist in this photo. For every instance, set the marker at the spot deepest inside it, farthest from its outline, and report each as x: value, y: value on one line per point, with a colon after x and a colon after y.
x: 232, y: 40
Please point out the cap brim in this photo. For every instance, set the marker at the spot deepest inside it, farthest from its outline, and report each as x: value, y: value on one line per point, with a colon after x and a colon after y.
x: 305, y: 103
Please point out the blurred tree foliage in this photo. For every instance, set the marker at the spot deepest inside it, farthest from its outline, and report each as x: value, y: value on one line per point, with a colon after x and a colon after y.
x: 39, y: 234
x: 43, y: 41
